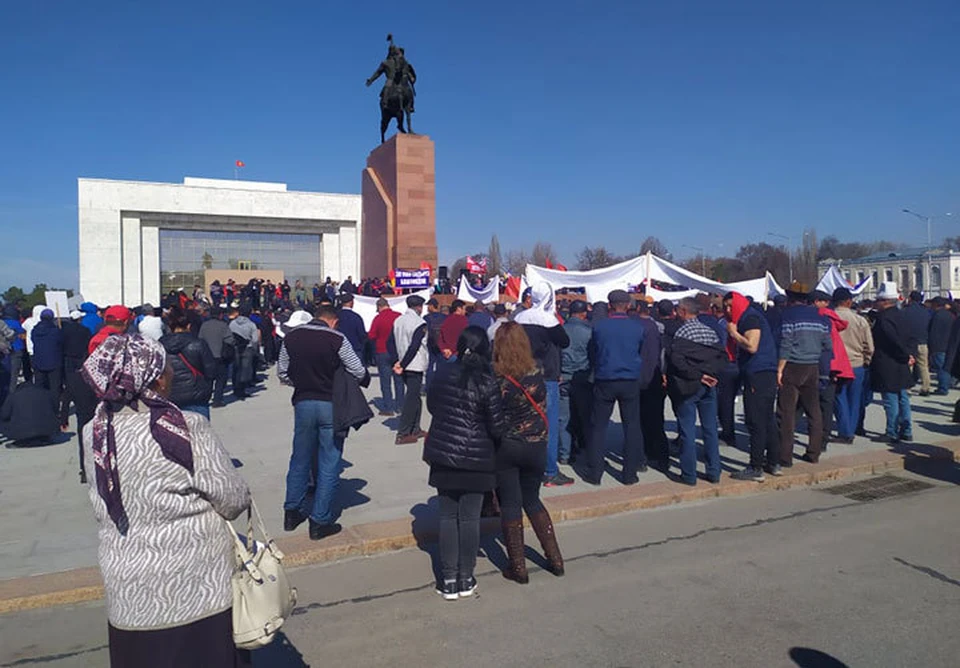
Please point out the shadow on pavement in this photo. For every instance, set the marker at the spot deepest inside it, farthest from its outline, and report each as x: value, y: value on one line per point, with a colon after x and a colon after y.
x: 814, y: 658
x: 279, y: 654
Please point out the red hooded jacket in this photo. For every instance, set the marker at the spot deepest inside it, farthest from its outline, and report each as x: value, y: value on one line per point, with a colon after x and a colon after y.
x: 738, y: 306
x: 840, y: 364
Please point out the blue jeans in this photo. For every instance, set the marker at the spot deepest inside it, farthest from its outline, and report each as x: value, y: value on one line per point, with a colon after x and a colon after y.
x: 847, y: 404
x: 316, y: 454
x: 553, y: 427
x: 202, y: 409
x: 435, y: 359
x: 897, y: 407
x: 938, y: 361
x: 703, y: 402
x: 391, y: 385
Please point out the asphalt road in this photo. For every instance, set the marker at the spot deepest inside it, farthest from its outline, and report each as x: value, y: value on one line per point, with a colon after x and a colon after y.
x: 798, y: 578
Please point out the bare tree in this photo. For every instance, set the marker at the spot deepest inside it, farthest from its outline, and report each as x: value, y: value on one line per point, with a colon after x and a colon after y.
x: 494, y: 258
x: 541, y: 253
x: 516, y: 262
x: 654, y: 245
x: 596, y: 258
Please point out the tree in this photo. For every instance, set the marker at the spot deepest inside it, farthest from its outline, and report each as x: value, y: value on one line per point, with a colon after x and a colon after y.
x: 516, y: 262
x: 762, y: 257
x: 596, y: 258
x: 207, y: 260
x: 951, y: 243
x: 654, y: 245
x: 28, y: 300
x: 494, y: 259
x: 13, y: 295
x: 542, y: 253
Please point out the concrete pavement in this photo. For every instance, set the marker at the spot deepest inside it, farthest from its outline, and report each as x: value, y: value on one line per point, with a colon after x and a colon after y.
x: 800, y: 578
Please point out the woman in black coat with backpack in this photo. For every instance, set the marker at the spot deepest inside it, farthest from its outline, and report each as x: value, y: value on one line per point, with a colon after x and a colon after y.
x: 194, y: 367
x: 464, y: 399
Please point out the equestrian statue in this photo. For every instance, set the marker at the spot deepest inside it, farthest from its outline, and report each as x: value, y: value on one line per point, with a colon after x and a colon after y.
x: 398, y: 93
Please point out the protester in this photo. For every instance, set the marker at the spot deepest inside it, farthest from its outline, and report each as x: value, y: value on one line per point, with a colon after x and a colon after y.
x: 179, y: 485
x: 349, y: 321
x: 115, y: 321
x: 410, y: 333
x: 939, y: 337
x: 467, y: 425
x: 309, y: 359
x: 434, y: 319
x: 391, y: 385
x: 694, y: 364
x: 28, y: 326
x: 547, y: 339
x: 246, y: 336
x: 616, y: 349
x: 48, y: 353
x: 835, y: 367
x: 526, y: 301
x: 576, y: 384
x: 500, y: 317
x: 76, y: 342
x: 17, y: 359
x: 149, y: 324
x: 91, y: 318
x: 453, y: 325
x: 653, y: 392
x: 917, y: 319
x: 480, y: 317
x: 752, y: 341
x: 805, y: 336
x: 220, y: 340
x: 890, y: 369
x: 522, y: 455
x: 193, y: 364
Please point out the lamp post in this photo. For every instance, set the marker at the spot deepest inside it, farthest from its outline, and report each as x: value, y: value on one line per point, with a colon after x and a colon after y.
x: 703, y: 259
x: 929, y: 221
x: 789, y: 250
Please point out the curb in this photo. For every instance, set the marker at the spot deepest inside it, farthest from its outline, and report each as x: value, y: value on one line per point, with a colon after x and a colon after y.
x: 84, y: 584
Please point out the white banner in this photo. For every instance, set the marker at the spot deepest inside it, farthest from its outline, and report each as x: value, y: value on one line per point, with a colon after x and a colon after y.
x: 833, y: 279
x: 469, y: 294
x: 366, y: 307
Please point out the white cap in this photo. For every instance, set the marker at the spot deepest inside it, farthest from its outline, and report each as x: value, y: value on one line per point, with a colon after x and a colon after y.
x: 888, y: 290
x: 76, y: 315
x: 298, y: 318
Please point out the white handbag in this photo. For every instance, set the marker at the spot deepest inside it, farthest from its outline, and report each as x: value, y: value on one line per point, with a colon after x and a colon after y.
x: 262, y: 595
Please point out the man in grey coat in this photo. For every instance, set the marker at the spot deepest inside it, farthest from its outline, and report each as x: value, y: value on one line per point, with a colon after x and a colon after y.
x: 410, y: 334
x: 220, y: 339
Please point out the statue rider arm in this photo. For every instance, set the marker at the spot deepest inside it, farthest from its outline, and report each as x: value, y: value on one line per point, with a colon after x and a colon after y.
x: 411, y: 73
x: 376, y: 75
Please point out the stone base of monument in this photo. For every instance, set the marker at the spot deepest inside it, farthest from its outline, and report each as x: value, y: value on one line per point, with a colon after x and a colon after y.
x: 399, y: 206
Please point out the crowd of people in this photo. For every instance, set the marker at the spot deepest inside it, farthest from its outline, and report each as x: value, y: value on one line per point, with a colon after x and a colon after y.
x: 513, y: 394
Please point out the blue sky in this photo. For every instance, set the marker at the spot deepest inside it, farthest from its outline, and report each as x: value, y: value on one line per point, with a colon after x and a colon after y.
x: 701, y: 122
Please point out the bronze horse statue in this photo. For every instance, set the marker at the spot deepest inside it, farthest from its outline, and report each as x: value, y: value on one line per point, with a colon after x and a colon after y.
x: 398, y: 93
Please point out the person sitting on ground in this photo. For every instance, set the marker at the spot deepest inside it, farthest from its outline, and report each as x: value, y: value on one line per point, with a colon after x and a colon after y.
x: 194, y: 367
x: 522, y: 455
x: 468, y: 422
x: 29, y: 416
x: 165, y: 554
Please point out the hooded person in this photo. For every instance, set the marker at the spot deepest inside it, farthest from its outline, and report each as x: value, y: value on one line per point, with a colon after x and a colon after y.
x: 48, y: 352
x: 91, y: 319
x: 547, y: 338
x: 148, y: 324
x: 29, y: 324
x: 16, y: 359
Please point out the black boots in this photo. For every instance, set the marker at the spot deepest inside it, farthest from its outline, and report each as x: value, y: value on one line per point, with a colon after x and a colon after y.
x: 543, y: 527
x: 292, y: 519
x: 513, y: 540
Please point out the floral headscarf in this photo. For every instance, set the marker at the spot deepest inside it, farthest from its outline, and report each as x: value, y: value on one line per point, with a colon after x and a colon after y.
x: 121, y: 372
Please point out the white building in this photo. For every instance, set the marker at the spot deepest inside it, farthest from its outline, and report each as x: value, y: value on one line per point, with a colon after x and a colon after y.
x: 139, y: 240
x: 934, y: 272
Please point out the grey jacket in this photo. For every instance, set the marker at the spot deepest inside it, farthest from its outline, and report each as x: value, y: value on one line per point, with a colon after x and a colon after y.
x: 574, y: 358
x: 216, y: 332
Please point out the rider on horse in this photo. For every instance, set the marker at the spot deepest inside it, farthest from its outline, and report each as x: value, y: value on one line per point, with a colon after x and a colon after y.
x: 400, y: 77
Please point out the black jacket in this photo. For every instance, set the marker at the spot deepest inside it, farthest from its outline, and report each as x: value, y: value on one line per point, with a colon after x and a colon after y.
x: 889, y: 370
x: 350, y: 407
x: 940, y: 325
x: 546, y: 343
x: 467, y: 421
x: 194, y: 368
x: 29, y: 413
x: 952, y: 363
x: 687, y: 362
x: 76, y: 340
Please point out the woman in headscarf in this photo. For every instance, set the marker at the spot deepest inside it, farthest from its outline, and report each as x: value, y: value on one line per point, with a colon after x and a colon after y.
x: 547, y: 338
x: 164, y: 486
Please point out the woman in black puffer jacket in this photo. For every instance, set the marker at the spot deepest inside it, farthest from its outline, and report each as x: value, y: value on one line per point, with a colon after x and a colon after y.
x: 464, y: 400
x: 194, y: 367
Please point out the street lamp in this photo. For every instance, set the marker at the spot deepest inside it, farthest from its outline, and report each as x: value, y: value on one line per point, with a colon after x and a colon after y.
x: 789, y: 250
x: 703, y: 259
x: 929, y: 221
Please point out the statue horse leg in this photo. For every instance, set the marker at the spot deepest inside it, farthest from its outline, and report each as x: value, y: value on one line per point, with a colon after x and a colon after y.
x: 409, y: 121
x: 384, y: 122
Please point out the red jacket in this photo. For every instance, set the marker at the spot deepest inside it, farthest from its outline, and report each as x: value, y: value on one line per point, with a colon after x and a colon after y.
x: 382, y: 327
x: 840, y: 364
x: 450, y: 331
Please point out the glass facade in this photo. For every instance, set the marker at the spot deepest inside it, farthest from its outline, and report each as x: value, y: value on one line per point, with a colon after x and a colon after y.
x: 185, y: 254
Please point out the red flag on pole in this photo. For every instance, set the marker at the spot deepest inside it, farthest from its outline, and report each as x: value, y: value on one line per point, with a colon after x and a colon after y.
x: 240, y: 163
x: 549, y: 264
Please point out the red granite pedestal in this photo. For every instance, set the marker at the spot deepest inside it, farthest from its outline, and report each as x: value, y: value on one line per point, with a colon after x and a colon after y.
x: 399, y: 229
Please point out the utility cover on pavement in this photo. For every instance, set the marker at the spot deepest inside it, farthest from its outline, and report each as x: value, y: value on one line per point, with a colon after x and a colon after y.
x: 881, y: 487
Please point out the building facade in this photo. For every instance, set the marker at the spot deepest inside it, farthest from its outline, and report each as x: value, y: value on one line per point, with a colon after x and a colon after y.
x: 934, y: 272
x: 139, y: 240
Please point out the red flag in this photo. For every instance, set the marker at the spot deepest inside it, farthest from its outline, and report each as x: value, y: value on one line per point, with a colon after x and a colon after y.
x: 549, y: 264
x: 560, y: 267
x: 240, y: 163
x: 475, y: 267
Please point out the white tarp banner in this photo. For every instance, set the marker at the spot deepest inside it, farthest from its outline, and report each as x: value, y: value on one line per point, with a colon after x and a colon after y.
x: 488, y: 295
x: 599, y: 282
x: 366, y: 307
x: 833, y: 279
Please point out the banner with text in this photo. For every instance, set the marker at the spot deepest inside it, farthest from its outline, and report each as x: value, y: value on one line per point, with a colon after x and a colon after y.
x: 417, y: 279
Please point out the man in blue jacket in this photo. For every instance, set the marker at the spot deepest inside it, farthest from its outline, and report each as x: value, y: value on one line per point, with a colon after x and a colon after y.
x: 615, y: 349
x: 351, y: 325
x: 48, y: 353
x: 91, y: 319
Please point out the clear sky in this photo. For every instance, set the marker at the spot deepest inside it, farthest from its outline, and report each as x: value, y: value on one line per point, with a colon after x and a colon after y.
x: 702, y: 122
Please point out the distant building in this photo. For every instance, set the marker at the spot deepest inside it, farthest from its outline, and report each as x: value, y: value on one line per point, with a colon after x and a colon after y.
x: 934, y: 272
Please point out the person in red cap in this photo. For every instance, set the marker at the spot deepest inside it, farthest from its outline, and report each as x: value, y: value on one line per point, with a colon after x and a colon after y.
x: 116, y: 320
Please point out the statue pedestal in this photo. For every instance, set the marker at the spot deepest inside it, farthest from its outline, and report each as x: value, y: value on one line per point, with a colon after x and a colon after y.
x: 399, y: 228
